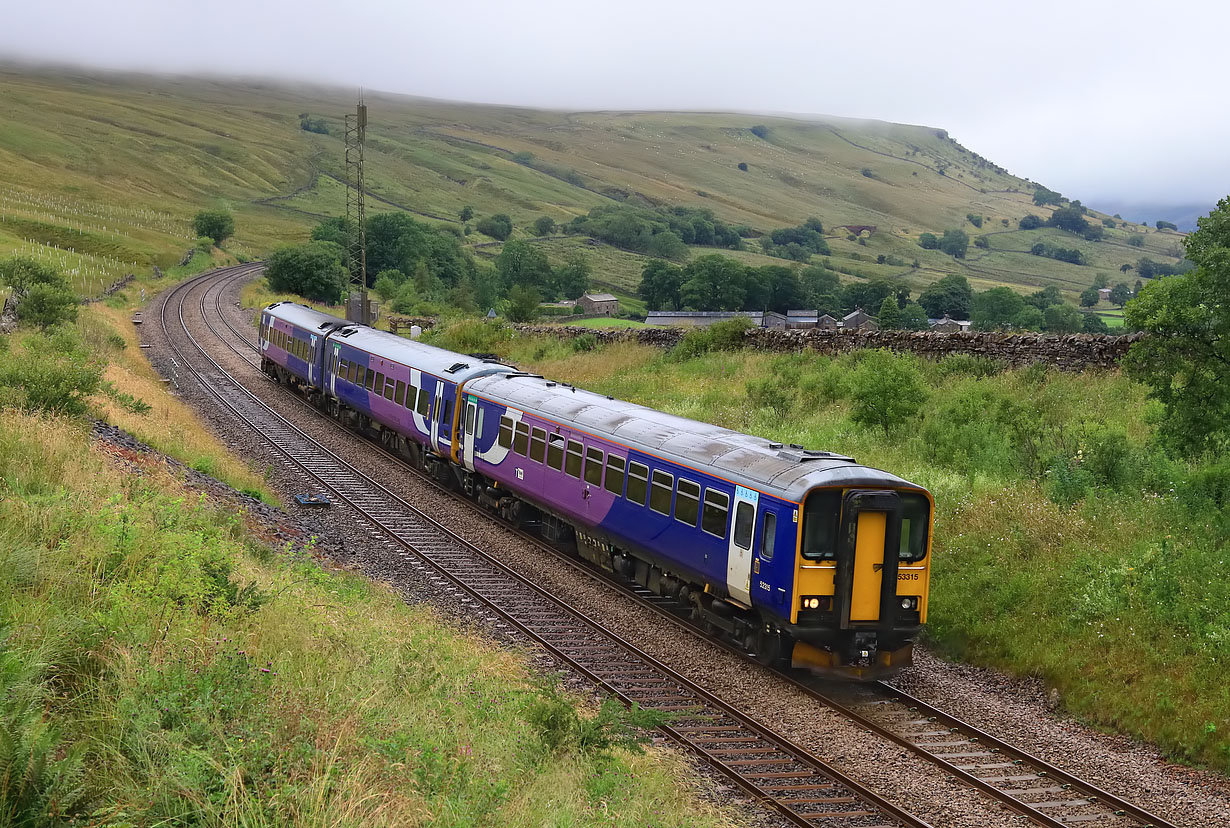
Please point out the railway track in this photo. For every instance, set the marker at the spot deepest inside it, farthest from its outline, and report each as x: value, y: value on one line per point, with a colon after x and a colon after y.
x: 802, y: 789
x: 1027, y: 784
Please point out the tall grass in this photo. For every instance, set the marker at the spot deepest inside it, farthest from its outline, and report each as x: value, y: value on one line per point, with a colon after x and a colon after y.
x: 156, y: 667
x: 1067, y: 545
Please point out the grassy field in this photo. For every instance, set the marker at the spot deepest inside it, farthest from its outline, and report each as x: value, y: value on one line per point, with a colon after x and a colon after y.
x: 1066, y: 545
x: 102, y: 174
x: 159, y: 666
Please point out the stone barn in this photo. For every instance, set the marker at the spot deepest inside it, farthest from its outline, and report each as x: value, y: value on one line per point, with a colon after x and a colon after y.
x: 599, y: 304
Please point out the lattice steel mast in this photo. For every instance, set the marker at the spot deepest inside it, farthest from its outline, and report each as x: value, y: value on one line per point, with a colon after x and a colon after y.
x: 356, y: 134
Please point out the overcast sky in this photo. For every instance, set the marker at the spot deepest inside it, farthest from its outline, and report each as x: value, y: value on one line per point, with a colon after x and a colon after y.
x: 1122, y: 101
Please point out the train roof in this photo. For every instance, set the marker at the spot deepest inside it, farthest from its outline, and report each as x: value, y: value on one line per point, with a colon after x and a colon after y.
x: 789, y: 471
x: 304, y: 317
x: 438, y: 362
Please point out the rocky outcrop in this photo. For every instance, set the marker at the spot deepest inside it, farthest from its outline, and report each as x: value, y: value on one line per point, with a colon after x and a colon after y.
x: 1073, y: 352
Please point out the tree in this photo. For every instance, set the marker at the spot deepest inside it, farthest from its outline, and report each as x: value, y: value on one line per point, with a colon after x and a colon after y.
x: 1062, y: 319
x: 218, y: 225
x: 886, y: 390
x: 974, y: 219
x: 743, y: 166
x: 775, y: 288
x: 467, y: 213
x: 928, y: 241
x: 46, y: 305
x: 913, y: 317
x: 1043, y: 299
x: 667, y: 245
x: 521, y: 263
x: 1090, y: 297
x: 1043, y: 196
x: 544, y: 226
x: 714, y: 283
x: 996, y: 308
x: 1166, y: 225
x: 395, y: 241
x: 982, y: 242
x: 1124, y: 268
x: 522, y: 304
x: 1070, y: 218
x: 950, y: 296
x: 388, y: 284
x: 1120, y: 294
x: 572, y: 280
x: 660, y: 285
x: 1101, y: 280
x: 1139, y: 287
x: 499, y: 226
x: 889, y: 316
x: 313, y: 270
x: 1029, y: 319
x: 1185, y: 359
x: 22, y: 273
x: 1031, y: 222
x: 1094, y: 324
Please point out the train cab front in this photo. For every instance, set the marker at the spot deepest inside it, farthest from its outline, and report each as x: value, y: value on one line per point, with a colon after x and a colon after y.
x: 861, y: 580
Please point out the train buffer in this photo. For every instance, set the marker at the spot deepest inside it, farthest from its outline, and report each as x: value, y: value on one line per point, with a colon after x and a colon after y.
x: 313, y: 501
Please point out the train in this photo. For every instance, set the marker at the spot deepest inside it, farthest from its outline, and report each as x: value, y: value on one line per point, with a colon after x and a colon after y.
x: 803, y: 558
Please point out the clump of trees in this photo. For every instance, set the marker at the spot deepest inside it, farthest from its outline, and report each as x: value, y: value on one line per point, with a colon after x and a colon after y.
x: 313, y: 270
x: 954, y: 242
x: 1031, y: 222
x: 951, y: 296
x: 498, y: 227
x: 797, y: 243
x: 974, y: 219
x: 218, y: 225
x: 664, y: 232
x: 1043, y: 197
x: 1166, y: 225
x: 1063, y: 254
x: 309, y: 124
x: 1185, y: 360
x: 1070, y: 218
x: 1002, y: 308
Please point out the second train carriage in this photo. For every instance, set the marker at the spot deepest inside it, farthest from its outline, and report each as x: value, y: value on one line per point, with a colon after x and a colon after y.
x: 802, y: 556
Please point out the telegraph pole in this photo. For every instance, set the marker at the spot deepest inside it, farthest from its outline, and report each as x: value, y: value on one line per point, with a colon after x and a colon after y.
x: 356, y: 134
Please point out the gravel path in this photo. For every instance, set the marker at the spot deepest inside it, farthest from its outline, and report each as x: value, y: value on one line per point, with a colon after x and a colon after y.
x: 1012, y: 710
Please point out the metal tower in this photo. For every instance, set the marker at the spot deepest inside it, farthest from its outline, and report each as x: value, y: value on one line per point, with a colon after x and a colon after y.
x: 356, y: 133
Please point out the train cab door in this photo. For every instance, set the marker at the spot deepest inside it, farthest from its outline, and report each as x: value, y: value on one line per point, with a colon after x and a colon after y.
x: 869, y: 536
x: 470, y: 429
x: 739, y: 554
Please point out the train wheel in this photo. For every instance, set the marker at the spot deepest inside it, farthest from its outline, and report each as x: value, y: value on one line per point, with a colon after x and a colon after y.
x: 771, y: 646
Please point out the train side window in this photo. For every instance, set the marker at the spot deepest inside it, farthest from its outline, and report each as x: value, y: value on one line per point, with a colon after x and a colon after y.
x: 506, y: 433
x: 638, y: 483
x: 446, y: 421
x: 521, y: 439
x: 614, y: 474
x: 687, y: 502
x: 478, y: 428
x: 660, y: 492
x: 745, y: 513
x: 572, y: 465
x: 593, y: 466
x: 768, y: 536
x: 360, y: 376
x: 388, y: 388
x: 538, y: 445
x: 400, y: 399
x: 424, y: 401
x: 555, y: 451
x: 375, y: 381
x: 717, y: 510
x: 471, y: 410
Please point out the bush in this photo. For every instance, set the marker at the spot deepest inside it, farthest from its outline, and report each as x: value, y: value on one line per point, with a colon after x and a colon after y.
x: 53, y: 373
x: 743, y: 166
x: 47, y: 305
x: 218, y: 225
x: 313, y: 270
x: 1031, y: 222
x: 584, y: 343
x: 929, y: 241
x: 498, y: 227
x: 773, y: 392
x: 968, y: 365
x: 760, y: 131
x: 971, y: 429
x: 982, y: 242
x: 886, y: 390
x: 727, y: 335
x: 973, y: 219
x: 1136, y: 240
x: 1067, y: 481
x: 544, y: 226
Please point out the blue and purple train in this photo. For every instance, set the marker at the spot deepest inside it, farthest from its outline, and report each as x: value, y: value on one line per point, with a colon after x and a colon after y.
x: 802, y: 557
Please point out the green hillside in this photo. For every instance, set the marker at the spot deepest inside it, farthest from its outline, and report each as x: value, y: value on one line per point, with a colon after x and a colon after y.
x: 112, y: 167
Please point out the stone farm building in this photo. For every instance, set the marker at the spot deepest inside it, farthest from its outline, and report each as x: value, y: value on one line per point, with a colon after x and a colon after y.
x: 599, y: 304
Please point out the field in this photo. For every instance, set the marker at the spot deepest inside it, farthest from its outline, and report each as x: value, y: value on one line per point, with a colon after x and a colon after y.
x: 1067, y: 546
x: 102, y: 173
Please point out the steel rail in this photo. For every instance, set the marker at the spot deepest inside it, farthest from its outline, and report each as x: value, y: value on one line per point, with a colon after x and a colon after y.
x: 797, y: 785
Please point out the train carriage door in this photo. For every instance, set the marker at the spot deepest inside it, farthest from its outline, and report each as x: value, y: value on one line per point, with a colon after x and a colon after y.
x: 469, y: 429
x: 313, y: 367
x: 337, y: 358
x: 739, y: 555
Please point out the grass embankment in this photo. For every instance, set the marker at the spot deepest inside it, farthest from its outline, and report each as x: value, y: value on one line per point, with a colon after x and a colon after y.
x: 157, y: 666
x: 1066, y: 545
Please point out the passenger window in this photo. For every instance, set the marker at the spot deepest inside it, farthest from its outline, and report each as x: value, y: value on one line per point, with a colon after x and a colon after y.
x: 400, y: 399
x: 506, y: 432
x: 638, y: 483
x: 375, y: 381
x: 614, y: 474
x: 717, y: 510
x: 446, y: 421
x: 660, y: 494
x: 745, y: 513
x: 687, y: 502
x: 478, y: 426
x: 424, y: 402
x: 555, y: 451
x: 362, y: 376
x: 572, y: 467
x: 470, y: 419
x: 342, y: 368
x: 768, y: 536
x: 521, y: 439
x: 593, y: 466
x: 538, y: 445
x: 352, y: 373
x: 388, y: 388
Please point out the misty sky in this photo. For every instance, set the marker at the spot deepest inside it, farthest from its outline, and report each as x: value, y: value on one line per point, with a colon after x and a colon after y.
x: 1121, y: 102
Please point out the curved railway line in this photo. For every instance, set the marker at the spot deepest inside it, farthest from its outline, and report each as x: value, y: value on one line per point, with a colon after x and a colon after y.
x: 797, y: 785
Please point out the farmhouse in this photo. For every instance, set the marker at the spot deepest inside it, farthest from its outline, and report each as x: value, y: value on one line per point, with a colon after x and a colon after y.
x: 599, y: 304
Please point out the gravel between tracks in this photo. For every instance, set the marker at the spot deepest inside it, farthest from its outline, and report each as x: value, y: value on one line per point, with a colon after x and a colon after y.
x: 1013, y: 710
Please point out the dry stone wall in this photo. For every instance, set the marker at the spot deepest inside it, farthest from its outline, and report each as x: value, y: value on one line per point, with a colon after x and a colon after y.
x: 1073, y: 352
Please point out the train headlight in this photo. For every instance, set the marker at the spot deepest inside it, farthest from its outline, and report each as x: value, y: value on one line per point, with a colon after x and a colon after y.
x: 909, y: 603
x: 808, y: 602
